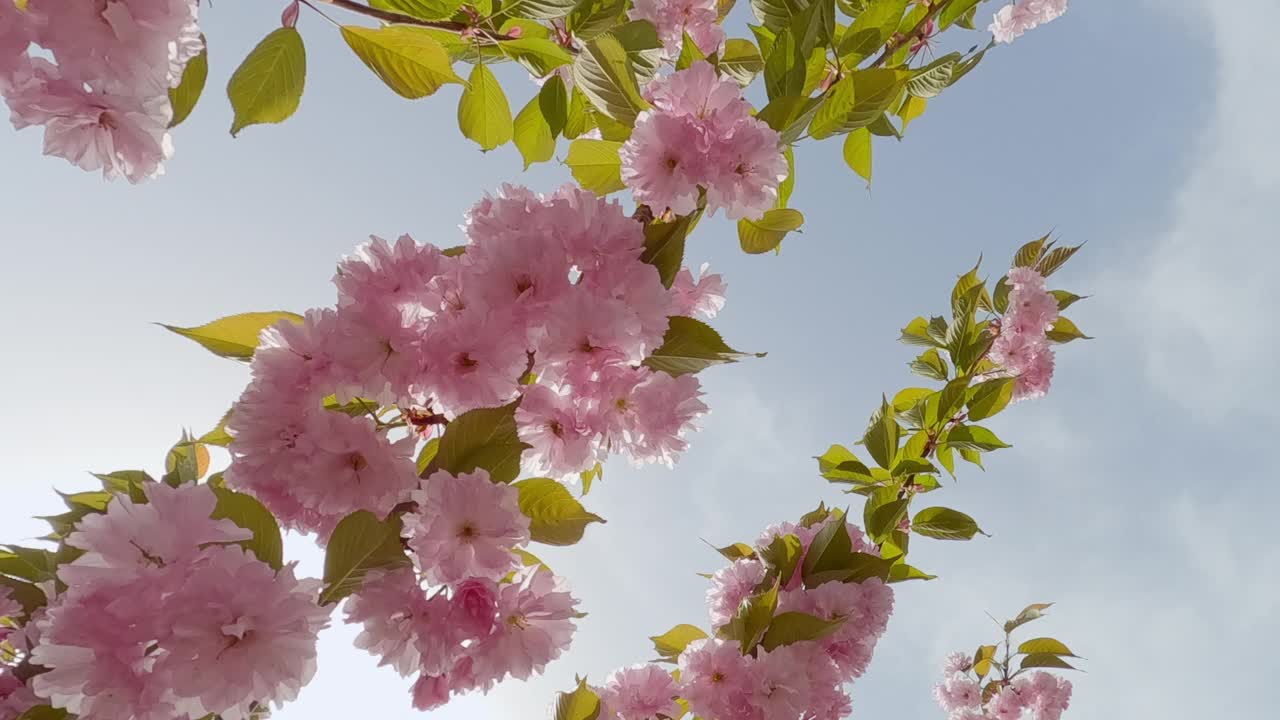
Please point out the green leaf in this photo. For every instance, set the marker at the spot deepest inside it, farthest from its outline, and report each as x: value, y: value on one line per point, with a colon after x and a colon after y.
x: 539, y: 55
x: 736, y: 551
x: 44, y: 712
x: 932, y: 79
x: 792, y: 627
x: 752, y: 620
x: 967, y: 290
x: 883, y: 435
x: 410, y: 60
x: 766, y: 234
x: 533, y: 135
x: 183, y: 98
x: 1064, y: 331
x: 553, y: 101
x: 1044, y: 660
x: 360, y: 543
x: 1055, y: 259
x: 555, y: 515
x: 580, y: 118
x: 1029, y: 255
x: 607, y: 78
x: 690, y: 53
x: 645, y: 51
x: 427, y: 454
x: 886, y: 518
x: 218, y: 435
x: 790, y: 115
x: 777, y: 14
x: 819, y: 514
x: 944, y: 524
x: 857, y: 153
x: 784, y: 69
x: 951, y: 398
x: 838, y: 465
x: 990, y: 397
x: 539, y: 9
x: 592, y: 17
x: 787, y: 186
x: 903, y: 572
x: 931, y: 364
x: 967, y: 65
x: 783, y: 556
x: 670, y: 644
x: 741, y: 61
x: 484, y: 438
x: 947, y: 459
x: 982, y: 659
x: 483, y: 113
x: 664, y: 245
x: 186, y: 462
x: 856, y: 100
x: 588, y: 476
x: 913, y: 466
x: 1034, y: 611
x: 1066, y: 299
x: 691, y: 346
x: 871, y: 30
x: 954, y: 11
x: 234, y: 336
x: 253, y: 516
x: 828, y: 552
x: 581, y: 704
x: 267, y: 87
x: 974, y: 437
x: 423, y: 9
x: 971, y: 455
x: 1045, y: 645
x: 596, y: 165
x: 917, y: 333
x: 126, y: 482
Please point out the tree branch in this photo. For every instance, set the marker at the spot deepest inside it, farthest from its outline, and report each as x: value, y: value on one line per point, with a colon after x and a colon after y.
x: 389, y: 16
x: 898, y: 40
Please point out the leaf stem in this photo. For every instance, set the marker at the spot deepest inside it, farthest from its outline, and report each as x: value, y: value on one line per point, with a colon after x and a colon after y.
x: 898, y: 40
x: 392, y: 17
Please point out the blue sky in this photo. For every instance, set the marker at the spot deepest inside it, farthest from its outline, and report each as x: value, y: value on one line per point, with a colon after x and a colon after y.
x: 1134, y: 496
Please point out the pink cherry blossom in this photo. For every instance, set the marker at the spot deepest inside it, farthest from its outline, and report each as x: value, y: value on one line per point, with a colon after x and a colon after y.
x: 465, y: 527
x: 640, y: 692
x: 674, y: 18
x: 958, y: 662
x: 731, y: 585
x: 475, y: 363
x: 388, y: 604
x: 561, y: 436
x: 15, y: 697
x: 663, y: 162
x: 431, y: 692
x: 534, y: 626
x: 240, y: 633
x: 1011, y: 21
x: 475, y: 603
x: 665, y: 408
x: 958, y: 692
x: 1052, y: 696
x: 703, y: 298
x: 15, y: 37
x: 714, y: 674
x: 748, y: 171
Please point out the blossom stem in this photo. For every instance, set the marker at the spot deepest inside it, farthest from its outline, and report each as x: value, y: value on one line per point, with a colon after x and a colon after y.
x: 898, y: 40
x: 390, y: 16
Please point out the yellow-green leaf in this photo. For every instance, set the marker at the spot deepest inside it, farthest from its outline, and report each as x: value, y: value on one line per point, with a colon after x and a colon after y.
x: 1045, y: 645
x: 484, y: 438
x: 253, y: 516
x: 607, y: 77
x: 234, y: 336
x: 408, y: 59
x: 533, y: 134
x: 673, y: 642
x: 183, y: 98
x: 581, y: 704
x: 555, y: 515
x: 595, y: 164
x: 741, y: 61
x: 360, y: 543
x: 857, y: 153
x: 691, y: 346
x: 766, y: 234
x: 483, y: 113
x: 267, y: 87
x: 792, y: 627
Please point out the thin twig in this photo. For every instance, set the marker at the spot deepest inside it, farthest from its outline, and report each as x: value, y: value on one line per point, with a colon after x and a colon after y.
x: 389, y: 16
x: 898, y: 40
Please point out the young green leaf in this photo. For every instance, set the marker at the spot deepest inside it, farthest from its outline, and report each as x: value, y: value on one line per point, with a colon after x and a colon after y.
x: 595, y: 164
x: 670, y: 644
x: 857, y: 153
x: 234, y: 336
x: 990, y: 397
x: 410, y: 60
x: 766, y: 234
x: 664, y: 245
x: 533, y: 135
x: 607, y: 78
x: 360, y: 543
x: 741, y: 61
x: 581, y: 704
x: 793, y: 627
x: 183, y: 98
x: 883, y: 435
x: 267, y: 87
x: 484, y: 438
x: 483, y: 113
x: 555, y: 515
x: 944, y: 524
x: 691, y: 346
x: 253, y: 516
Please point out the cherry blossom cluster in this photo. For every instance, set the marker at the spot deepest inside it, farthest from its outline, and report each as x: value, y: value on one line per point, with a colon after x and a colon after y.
x: 803, y: 680
x: 700, y: 19
x: 549, y: 305
x: 1022, y: 348
x: 104, y: 99
x: 700, y: 133
x: 165, y: 616
x: 1012, y: 20
x: 1040, y: 695
x: 486, y: 617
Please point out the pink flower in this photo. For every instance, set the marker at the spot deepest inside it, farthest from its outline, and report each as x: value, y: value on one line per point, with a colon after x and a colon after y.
x: 10, y: 610
x: 1011, y: 21
x: 15, y: 697
x: 388, y: 604
x: 958, y: 692
x: 476, y: 363
x: 662, y: 162
x: 697, y: 92
x: 562, y: 440
x: 476, y: 606
x: 1010, y: 702
x: 535, y: 625
x: 640, y: 692
x: 748, y: 171
x: 465, y: 527
x: 665, y: 409
x: 731, y: 585
x: 674, y: 18
x: 957, y: 662
x: 431, y: 692
x: 352, y: 466
x: 93, y: 127
x: 704, y: 298
x: 714, y: 674
x: 1052, y: 696
x: 15, y: 38
x: 240, y: 633
x: 170, y: 529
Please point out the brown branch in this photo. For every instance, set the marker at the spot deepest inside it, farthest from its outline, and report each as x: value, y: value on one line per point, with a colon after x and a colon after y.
x: 389, y: 16
x: 898, y: 39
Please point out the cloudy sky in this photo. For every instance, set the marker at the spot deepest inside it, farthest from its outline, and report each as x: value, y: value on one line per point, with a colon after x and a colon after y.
x: 1134, y: 496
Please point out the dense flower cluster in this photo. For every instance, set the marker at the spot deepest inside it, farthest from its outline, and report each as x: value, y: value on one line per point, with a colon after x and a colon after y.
x: 1012, y: 20
x: 487, y: 616
x: 1022, y: 348
x: 549, y: 304
x: 165, y: 616
x: 701, y: 133
x: 104, y: 100
x: 802, y: 681
x: 1040, y: 695
x: 700, y: 19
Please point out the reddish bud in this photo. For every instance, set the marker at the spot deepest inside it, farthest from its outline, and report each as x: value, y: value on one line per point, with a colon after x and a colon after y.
x: 289, y: 18
x: 515, y: 32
